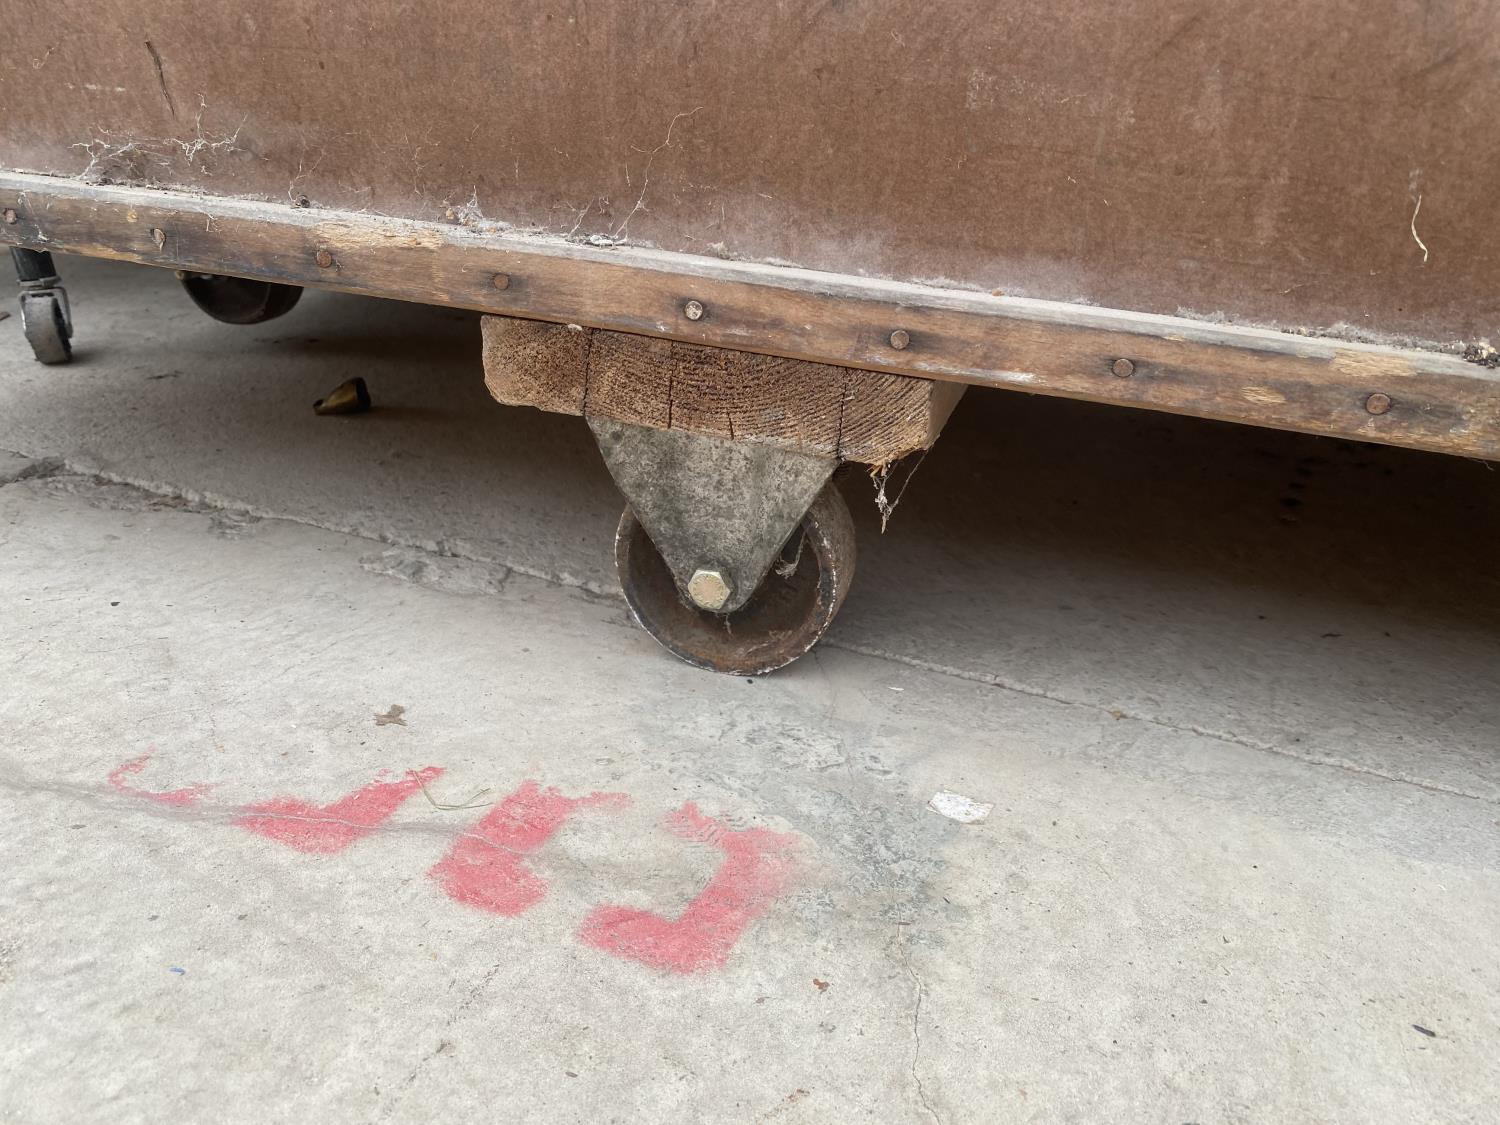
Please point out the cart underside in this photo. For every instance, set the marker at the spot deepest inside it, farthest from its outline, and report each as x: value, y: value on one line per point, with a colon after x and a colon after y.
x: 713, y: 234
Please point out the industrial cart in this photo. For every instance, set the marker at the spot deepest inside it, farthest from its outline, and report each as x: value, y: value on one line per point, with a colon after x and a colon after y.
x: 749, y: 242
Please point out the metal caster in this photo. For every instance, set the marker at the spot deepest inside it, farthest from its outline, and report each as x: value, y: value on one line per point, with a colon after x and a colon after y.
x: 735, y: 550
x: 239, y: 300
x: 735, y: 556
x: 785, y: 615
x: 46, y: 319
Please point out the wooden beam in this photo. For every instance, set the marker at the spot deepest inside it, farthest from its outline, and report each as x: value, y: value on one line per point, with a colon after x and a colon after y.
x: 1424, y: 399
x: 869, y: 416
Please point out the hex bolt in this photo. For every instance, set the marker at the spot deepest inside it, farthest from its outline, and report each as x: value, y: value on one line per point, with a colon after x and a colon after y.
x: 159, y: 237
x: 693, y: 310
x: 501, y: 281
x: 1123, y: 368
x: 324, y: 259
x: 10, y: 215
x: 900, y: 339
x: 709, y: 588
x: 1378, y: 403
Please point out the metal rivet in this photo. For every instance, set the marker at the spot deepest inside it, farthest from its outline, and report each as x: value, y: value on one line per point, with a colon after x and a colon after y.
x: 900, y: 338
x: 693, y: 310
x: 501, y: 281
x: 1378, y: 403
x: 709, y: 588
x: 1124, y: 368
x: 159, y: 237
x: 10, y: 215
x: 324, y: 259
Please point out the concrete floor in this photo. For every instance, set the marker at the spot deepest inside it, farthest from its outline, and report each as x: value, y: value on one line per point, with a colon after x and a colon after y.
x: 1234, y: 696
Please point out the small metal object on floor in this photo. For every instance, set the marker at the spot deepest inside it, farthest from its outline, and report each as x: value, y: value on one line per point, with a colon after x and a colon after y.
x: 352, y: 397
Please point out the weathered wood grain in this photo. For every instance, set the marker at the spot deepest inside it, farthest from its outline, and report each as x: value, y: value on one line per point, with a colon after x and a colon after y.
x: 1318, y: 385
x: 868, y: 416
x: 533, y: 363
x: 884, y: 412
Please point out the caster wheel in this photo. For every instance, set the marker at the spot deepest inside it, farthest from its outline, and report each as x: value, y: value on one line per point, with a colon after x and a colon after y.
x: 45, y: 321
x: 238, y: 300
x: 793, y: 607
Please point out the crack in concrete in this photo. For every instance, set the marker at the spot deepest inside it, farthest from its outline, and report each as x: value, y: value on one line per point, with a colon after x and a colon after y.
x: 230, y: 815
x: 916, y: 1023
x: 443, y: 1046
x: 1227, y: 737
x: 14, y: 781
x: 203, y: 503
x: 30, y: 468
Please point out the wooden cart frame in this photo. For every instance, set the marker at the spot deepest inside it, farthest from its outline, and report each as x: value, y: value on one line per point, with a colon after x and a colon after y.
x: 1424, y: 399
x: 747, y: 242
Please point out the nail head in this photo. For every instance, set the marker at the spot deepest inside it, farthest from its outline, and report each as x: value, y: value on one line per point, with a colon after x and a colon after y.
x: 1124, y: 368
x: 501, y: 281
x: 10, y: 215
x: 900, y: 339
x: 323, y: 258
x: 1378, y: 403
x: 693, y: 310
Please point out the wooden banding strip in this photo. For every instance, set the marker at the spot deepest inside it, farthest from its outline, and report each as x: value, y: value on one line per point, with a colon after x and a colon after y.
x: 1314, y: 384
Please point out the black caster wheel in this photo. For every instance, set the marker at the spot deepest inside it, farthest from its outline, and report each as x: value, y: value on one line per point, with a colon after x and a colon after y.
x: 47, y: 325
x: 786, y: 615
x: 238, y: 300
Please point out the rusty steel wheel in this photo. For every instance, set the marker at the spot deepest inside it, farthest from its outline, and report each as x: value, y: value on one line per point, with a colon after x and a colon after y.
x: 792, y: 608
x: 238, y: 300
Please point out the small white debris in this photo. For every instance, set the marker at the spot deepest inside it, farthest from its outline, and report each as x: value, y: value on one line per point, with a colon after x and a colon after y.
x: 955, y: 806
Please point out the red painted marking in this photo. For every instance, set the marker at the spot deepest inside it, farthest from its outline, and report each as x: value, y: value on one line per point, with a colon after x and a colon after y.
x: 175, y: 797
x: 330, y: 828
x: 486, y: 867
x: 757, y: 868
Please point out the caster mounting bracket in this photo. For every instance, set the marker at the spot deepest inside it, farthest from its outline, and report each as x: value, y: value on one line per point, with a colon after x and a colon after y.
x: 718, y: 511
